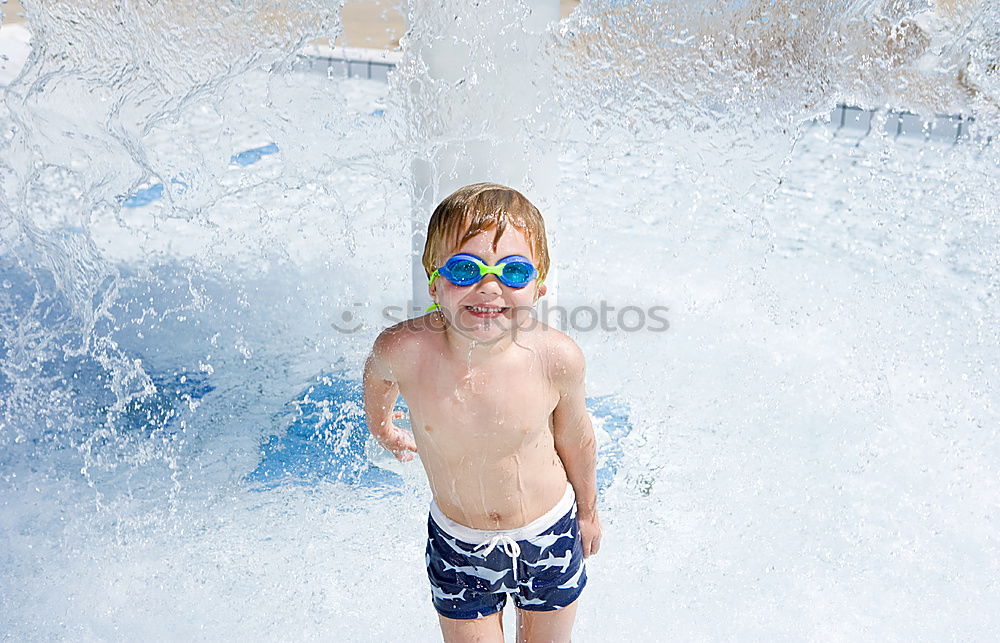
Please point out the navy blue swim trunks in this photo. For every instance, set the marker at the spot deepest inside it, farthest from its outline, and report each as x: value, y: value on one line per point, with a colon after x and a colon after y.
x: 472, y: 570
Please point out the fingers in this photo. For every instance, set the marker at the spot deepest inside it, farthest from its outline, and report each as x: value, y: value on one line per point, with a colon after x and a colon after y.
x: 400, y: 443
x: 590, y: 532
x: 403, y: 451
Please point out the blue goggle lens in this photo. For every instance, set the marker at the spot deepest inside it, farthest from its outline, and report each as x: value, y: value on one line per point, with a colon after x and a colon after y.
x: 517, y: 274
x: 461, y: 272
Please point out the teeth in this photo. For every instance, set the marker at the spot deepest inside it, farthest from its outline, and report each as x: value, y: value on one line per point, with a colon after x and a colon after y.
x: 482, y: 309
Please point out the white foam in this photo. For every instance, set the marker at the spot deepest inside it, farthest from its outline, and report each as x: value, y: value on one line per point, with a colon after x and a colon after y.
x: 15, y: 47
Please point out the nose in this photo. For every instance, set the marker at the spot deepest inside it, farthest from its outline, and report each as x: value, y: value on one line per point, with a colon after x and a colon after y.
x: 489, y: 285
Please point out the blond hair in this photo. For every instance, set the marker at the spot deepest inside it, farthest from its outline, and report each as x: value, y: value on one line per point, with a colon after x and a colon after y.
x: 478, y: 207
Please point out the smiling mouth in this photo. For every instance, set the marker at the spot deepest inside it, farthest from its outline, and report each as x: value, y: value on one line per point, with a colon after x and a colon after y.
x: 487, y: 311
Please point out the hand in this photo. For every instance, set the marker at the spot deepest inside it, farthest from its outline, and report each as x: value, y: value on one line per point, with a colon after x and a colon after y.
x: 398, y: 442
x: 590, y: 534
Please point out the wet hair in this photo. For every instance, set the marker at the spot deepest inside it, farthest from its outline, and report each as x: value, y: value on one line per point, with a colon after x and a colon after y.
x: 481, y: 207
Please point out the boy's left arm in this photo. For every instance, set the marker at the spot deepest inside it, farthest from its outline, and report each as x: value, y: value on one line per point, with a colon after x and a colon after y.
x: 575, y: 443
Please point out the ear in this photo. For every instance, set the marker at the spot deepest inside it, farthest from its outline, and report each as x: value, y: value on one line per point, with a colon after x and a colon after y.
x: 540, y: 291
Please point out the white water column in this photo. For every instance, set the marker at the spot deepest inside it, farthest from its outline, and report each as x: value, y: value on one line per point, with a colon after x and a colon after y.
x: 478, y: 104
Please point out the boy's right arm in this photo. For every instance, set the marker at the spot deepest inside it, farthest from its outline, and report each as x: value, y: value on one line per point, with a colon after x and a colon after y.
x: 380, y: 393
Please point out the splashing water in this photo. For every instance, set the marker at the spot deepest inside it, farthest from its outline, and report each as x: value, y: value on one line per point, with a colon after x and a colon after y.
x: 815, y: 430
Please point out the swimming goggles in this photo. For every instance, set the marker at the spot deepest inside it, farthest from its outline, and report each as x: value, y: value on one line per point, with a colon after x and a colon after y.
x: 464, y: 269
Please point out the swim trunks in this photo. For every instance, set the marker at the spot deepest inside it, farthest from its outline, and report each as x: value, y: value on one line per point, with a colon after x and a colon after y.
x: 472, y: 570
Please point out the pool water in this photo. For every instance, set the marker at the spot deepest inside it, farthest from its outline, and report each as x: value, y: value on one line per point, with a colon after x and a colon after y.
x: 811, y: 447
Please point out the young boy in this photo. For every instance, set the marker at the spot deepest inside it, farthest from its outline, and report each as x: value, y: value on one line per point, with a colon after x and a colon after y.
x: 496, y: 403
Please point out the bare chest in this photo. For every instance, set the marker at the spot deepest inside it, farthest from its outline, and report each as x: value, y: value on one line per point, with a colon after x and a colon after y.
x: 505, y: 403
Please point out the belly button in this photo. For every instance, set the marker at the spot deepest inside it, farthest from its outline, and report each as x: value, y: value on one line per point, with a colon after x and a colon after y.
x: 494, y: 516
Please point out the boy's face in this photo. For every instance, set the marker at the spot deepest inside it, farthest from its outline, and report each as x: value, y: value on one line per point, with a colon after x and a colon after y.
x: 506, y: 308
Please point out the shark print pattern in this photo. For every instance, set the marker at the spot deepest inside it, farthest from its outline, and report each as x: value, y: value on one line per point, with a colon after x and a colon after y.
x: 532, y: 601
x: 491, y: 576
x: 562, y: 562
x: 546, y: 541
x: 574, y: 580
x: 548, y: 573
x: 438, y: 594
x: 451, y: 542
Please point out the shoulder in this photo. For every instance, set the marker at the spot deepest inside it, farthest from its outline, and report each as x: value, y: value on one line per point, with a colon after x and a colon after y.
x: 407, y: 335
x: 401, y: 343
x: 566, y: 362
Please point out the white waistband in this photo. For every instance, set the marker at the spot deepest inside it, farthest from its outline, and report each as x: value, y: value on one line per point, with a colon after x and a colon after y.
x: 530, y: 530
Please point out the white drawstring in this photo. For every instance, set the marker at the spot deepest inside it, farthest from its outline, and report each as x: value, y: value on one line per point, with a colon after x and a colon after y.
x: 509, y: 546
